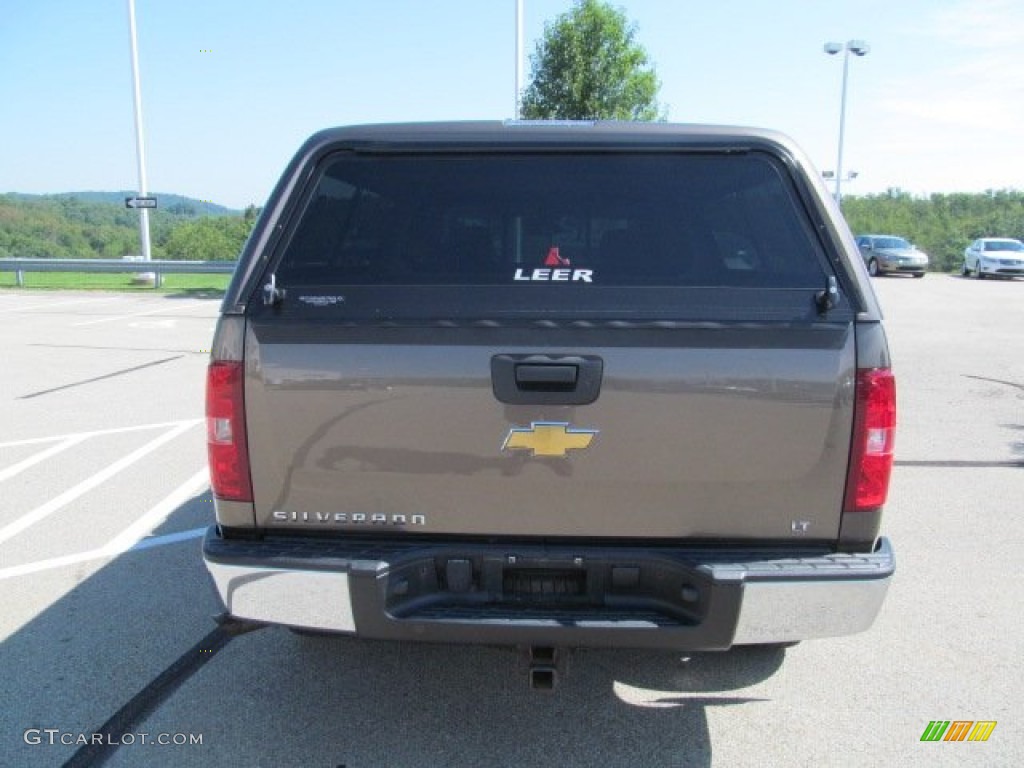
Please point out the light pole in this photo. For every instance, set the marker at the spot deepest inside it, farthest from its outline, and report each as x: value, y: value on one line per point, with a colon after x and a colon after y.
x: 858, y: 48
x: 519, y: 57
x: 140, y: 144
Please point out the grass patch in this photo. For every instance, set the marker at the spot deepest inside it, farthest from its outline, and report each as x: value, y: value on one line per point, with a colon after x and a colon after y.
x: 78, y: 281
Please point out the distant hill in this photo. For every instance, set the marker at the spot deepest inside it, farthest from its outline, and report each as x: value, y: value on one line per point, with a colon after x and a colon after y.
x: 98, y: 225
x: 166, y: 201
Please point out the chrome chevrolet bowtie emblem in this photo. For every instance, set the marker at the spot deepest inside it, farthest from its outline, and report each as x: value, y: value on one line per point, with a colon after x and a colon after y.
x: 548, y: 438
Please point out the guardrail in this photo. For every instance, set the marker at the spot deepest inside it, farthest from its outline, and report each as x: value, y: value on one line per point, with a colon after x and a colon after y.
x: 157, y: 267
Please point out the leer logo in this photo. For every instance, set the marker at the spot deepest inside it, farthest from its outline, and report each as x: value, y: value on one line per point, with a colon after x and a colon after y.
x: 548, y: 438
x: 555, y: 259
x: 557, y: 275
x: 958, y: 730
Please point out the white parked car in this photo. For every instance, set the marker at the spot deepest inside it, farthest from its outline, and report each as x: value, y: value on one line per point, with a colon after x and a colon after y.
x: 994, y: 256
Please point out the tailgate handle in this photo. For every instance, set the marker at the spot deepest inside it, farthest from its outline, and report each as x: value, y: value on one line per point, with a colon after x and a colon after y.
x: 546, y: 379
x: 546, y: 376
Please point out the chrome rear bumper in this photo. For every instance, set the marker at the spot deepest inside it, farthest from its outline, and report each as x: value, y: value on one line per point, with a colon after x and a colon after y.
x: 592, y: 596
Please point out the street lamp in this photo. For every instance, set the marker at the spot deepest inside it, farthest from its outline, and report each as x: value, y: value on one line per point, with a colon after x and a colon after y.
x: 858, y: 48
x: 519, y: 59
x: 140, y: 144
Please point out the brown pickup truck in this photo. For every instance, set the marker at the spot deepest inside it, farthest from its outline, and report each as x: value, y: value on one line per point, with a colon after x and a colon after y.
x: 551, y: 385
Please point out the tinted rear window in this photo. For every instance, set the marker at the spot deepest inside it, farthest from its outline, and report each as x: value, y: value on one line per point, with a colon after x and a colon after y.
x: 557, y: 236
x: 522, y: 219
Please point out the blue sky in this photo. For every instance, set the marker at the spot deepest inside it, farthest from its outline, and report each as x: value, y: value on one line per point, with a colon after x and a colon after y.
x: 232, y: 87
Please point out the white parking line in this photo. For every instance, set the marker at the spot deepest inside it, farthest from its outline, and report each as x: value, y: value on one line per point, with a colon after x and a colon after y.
x: 115, y: 318
x: 169, y: 538
x: 31, y: 461
x: 132, y: 537
x: 53, y: 562
x: 40, y: 513
x: 105, y: 300
x: 158, y: 514
x: 98, y: 433
x: 97, y: 554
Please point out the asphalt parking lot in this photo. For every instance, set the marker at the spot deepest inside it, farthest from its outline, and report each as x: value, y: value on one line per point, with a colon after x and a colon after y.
x: 106, y: 611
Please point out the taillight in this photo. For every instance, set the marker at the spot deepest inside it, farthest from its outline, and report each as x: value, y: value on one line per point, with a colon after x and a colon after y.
x: 874, y: 427
x: 225, y: 431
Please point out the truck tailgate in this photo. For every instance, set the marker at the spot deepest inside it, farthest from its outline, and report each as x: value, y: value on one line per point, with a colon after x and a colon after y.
x: 720, y: 433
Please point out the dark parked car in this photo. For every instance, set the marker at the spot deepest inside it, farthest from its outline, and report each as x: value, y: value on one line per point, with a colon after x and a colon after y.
x: 888, y: 254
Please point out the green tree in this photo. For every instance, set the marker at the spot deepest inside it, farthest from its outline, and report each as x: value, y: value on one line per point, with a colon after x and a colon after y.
x: 182, y: 209
x: 206, y: 239
x: 588, y: 66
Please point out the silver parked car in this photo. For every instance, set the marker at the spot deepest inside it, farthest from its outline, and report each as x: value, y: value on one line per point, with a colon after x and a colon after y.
x: 887, y: 254
x: 994, y: 256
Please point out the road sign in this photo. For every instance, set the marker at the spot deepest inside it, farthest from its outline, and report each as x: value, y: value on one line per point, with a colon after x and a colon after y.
x: 140, y: 202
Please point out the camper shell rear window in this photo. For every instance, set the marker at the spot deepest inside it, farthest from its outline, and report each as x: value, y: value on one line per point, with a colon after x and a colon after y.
x: 562, y: 223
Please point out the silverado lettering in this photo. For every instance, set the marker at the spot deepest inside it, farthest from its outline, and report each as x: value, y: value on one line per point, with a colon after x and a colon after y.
x: 346, y: 517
